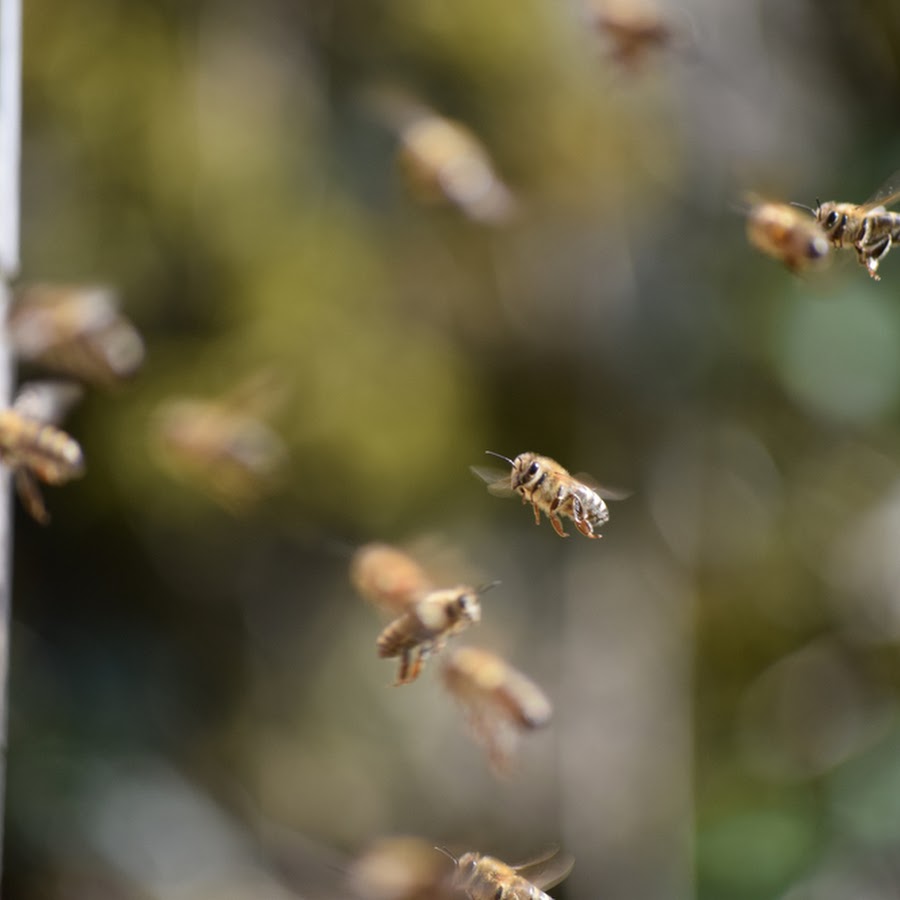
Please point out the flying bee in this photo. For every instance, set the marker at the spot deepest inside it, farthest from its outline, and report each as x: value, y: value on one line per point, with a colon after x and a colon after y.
x: 868, y: 227
x: 33, y: 448
x: 550, y: 489
x: 499, y: 702
x: 785, y: 233
x: 77, y: 330
x: 442, y: 160
x: 388, y: 578
x: 224, y: 444
x: 634, y: 30
x: 424, y: 616
x: 486, y: 878
x: 401, y: 868
x: 425, y: 627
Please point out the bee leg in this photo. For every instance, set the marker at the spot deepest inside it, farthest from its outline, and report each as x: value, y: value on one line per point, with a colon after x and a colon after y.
x: 423, y: 653
x: 585, y: 528
x: 403, y: 671
x: 557, y: 525
x: 872, y: 254
x: 537, y: 514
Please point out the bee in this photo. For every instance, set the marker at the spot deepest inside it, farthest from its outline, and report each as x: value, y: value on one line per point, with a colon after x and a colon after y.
x: 785, y: 233
x: 425, y: 616
x: 425, y: 627
x: 483, y: 877
x: 442, y: 160
x: 33, y: 448
x: 868, y: 227
x: 388, y: 578
x: 550, y: 489
x: 401, y: 868
x: 635, y: 30
x: 499, y: 702
x: 223, y: 444
x: 77, y: 330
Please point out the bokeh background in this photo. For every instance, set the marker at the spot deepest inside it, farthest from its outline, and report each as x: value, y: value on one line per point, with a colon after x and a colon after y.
x: 196, y: 707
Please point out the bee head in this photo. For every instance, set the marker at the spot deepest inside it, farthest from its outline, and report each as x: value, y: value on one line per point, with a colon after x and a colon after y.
x: 527, y: 471
x: 467, y: 606
x: 467, y: 866
x: 832, y: 219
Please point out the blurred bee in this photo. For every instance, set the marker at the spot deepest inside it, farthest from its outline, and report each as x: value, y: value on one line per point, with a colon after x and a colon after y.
x: 634, y: 29
x: 388, y: 578
x: 425, y: 616
x: 424, y: 628
x: 486, y: 878
x: 868, y: 227
x: 77, y: 330
x: 33, y: 448
x: 442, y: 160
x: 499, y: 702
x: 550, y: 489
x: 223, y: 444
x: 401, y: 868
x: 785, y: 233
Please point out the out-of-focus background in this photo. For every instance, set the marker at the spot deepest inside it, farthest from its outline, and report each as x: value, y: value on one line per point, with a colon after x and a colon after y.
x: 196, y: 706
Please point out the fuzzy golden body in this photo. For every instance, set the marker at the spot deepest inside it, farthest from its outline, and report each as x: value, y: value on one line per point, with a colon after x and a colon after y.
x: 787, y: 234
x: 36, y: 450
x: 487, y: 878
x: 550, y: 489
x: 388, y: 578
x: 425, y: 627
x: 499, y: 702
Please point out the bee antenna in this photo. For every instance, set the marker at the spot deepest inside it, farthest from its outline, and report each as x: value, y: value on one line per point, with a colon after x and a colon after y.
x: 481, y: 589
x: 500, y: 456
x: 804, y: 206
x: 446, y: 852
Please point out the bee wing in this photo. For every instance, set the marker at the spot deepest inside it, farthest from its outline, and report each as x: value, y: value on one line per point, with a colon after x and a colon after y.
x: 886, y: 195
x: 498, y: 481
x: 548, y: 869
x: 47, y: 401
x: 606, y: 492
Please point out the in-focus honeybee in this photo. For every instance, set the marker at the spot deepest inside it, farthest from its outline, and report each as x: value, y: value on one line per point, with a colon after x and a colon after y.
x: 223, y: 444
x: 550, y: 489
x: 425, y: 616
x: 36, y: 450
x: 787, y: 234
x: 868, y: 227
x: 499, y: 702
x: 77, y: 330
x: 486, y: 878
x: 442, y: 160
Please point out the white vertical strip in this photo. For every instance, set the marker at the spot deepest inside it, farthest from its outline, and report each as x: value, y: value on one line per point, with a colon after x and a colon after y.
x: 10, y: 142
x: 10, y: 137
